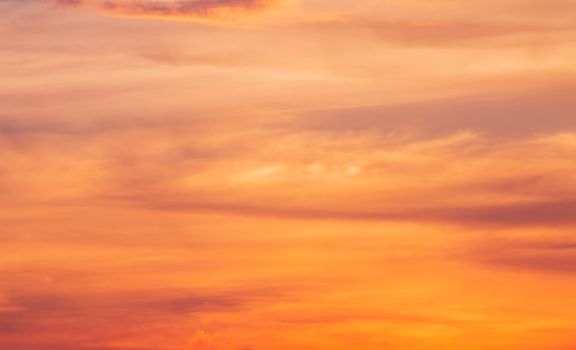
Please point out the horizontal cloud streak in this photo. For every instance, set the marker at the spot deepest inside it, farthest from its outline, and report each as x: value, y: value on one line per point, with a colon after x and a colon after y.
x: 547, y: 214
x: 183, y: 9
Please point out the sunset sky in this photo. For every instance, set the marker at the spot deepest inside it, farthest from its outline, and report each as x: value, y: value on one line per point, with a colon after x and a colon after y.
x: 287, y: 175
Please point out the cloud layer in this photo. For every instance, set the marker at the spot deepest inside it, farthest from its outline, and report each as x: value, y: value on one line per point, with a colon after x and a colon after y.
x: 325, y: 175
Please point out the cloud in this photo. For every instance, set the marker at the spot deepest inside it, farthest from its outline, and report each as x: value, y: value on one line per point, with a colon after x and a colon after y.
x: 425, y: 33
x: 318, y: 182
x: 93, y: 319
x: 217, y: 10
x: 544, y: 253
x: 510, y: 115
x: 547, y: 214
x: 358, y: 174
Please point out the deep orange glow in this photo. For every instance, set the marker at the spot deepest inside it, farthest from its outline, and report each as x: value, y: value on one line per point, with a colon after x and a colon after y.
x: 281, y: 175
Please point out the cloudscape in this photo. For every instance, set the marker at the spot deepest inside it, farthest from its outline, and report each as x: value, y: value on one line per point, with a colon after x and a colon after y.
x: 287, y: 174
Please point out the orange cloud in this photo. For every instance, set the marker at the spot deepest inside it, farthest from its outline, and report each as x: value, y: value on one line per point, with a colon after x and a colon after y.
x: 396, y: 175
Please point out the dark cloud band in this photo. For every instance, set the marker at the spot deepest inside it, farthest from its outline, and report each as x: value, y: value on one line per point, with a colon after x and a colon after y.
x: 214, y: 9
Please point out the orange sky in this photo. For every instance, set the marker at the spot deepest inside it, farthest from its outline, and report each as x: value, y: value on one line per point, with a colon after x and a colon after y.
x: 288, y: 174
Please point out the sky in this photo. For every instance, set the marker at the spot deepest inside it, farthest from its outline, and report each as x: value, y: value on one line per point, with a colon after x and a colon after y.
x: 287, y: 174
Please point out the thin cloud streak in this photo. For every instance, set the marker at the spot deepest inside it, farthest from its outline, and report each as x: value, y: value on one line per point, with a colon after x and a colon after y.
x: 217, y: 10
